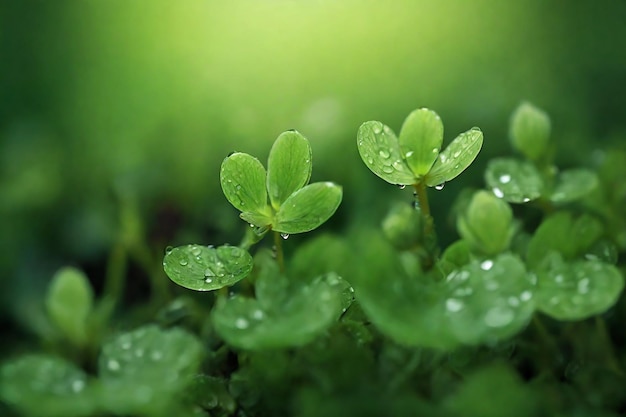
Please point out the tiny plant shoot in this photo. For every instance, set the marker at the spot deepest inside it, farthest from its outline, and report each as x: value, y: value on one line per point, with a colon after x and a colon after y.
x: 279, y: 199
x: 415, y: 157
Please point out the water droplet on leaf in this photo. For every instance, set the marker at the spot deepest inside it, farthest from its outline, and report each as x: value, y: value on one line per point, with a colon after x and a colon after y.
x: 439, y: 187
x: 284, y: 235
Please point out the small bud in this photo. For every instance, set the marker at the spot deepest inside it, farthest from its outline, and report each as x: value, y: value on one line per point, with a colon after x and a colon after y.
x: 403, y: 226
x: 530, y: 131
x: 486, y: 224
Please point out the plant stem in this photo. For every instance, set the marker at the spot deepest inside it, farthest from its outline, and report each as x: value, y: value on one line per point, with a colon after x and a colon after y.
x: 548, y: 341
x: 421, y: 195
x: 603, y: 332
x: 278, y: 244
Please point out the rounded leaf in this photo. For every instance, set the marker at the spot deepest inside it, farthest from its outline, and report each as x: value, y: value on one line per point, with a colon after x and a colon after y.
x: 563, y: 233
x: 488, y: 300
x: 574, y: 184
x: 513, y: 180
x: 69, y: 302
x: 456, y: 157
x: 247, y: 324
x: 487, y: 224
x: 288, y: 166
x: 205, y: 268
x: 242, y: 177
x: 380, y: 151
x: 420, y: 140
x: 403, y: 226
x: 143, y: 371
x: 530, y: 130
x: 308, y: 208
x: 578, y: 290
x: 42, y: 386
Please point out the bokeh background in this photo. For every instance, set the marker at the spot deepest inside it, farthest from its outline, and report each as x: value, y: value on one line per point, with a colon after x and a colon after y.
x: 106, y: 105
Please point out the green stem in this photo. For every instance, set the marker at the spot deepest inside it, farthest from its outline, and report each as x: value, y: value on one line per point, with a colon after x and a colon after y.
x: 115, y: 274
x: 422, y: 200
x: 550, y: 346
x: 278, y: 244
x: 603, y: 332
x: 158, y: 282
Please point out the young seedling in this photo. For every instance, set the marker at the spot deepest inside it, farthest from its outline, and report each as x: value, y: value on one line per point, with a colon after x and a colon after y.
x: 536, y: 177
x: 415, y: 157
x: 293, y: 206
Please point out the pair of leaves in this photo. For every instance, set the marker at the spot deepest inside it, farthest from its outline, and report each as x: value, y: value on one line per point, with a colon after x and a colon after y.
x: 415, y: 155
x: 140, y: 372
x: 284, y: 313
x: 520, y: 182
x: 475, y: 303
x: 294, y: 206
x: 573, y: 282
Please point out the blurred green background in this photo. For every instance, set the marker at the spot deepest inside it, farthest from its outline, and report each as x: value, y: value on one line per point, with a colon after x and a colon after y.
x: 109, y: 104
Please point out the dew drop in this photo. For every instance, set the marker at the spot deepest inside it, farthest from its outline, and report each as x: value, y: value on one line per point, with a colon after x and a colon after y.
x: 208, y: 280
x: 258, y: 314
x: 196, y: 251
x: 443, y: 158
x: 435, y: 150
x: 408, y: 154
x: 113, y: 365
x: 497, y: 192
x: 559, y: 278
x: 169, y: 250
x: 513, y: 301
x: 526, y: 296
x: 241, y: 323
x: 183, y: 262
x: 456, y: 154
x: 387, y: 169
x: 401, y: 186
x: 377, y: 129
x: 370, y: 160
x: 526, y: 200
x: 384, y: 153
x: 439, y: 187
x: 583, y: 286
x: 486, y: 265
x: 453, y: 305
x: 156, y: 355
x: 499, y: 316
x: 505, y: 178
x: 78, y: 385
x: 209, y: 273
x: 284, y: 235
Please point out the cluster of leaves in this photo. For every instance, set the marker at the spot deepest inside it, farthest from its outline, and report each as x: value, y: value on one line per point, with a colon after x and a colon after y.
x: 374, y: 322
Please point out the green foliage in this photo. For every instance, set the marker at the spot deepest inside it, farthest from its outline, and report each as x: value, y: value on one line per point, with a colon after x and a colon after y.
x: 530, y: 131
x: 204, y: 268
x: 69, y: 302
x: 415, y: 156
x: 359, y: 321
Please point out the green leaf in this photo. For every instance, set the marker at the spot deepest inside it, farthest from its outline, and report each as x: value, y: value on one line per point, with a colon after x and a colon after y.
x: 69, y: 302
x: 142, y: 370
x: 456, y: 255
x: 488, y: 300
x: 574, y: 184
x: 46, y: 386
x: 380, y: 151
x: 205, y: 268
x: 513, y: 180
x: 403, y: 226
x: 402, y: 307
x: 256, y: 219
x: 456, y: 157
x: 562, y: 233
x: 308, y: 208
x: 288, y: 166
x: 506, y: 393
x: 420, y: 140
x: 292, y: 321
x: 530, y: 131
x: 243, y: 182
x: 486, y: 224
x: 577, y: 290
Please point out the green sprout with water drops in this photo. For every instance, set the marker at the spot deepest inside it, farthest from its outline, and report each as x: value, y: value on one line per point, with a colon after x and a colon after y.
x: 279, y: 199
x: 415, y: 157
